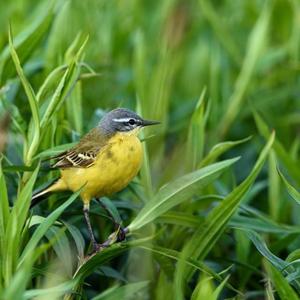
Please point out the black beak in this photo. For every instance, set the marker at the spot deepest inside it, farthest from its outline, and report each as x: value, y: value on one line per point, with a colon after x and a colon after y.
x: 149, y: 122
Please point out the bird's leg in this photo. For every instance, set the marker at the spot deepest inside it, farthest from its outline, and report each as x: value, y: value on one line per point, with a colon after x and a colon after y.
x: 86, y: 209
x: 118, y: 227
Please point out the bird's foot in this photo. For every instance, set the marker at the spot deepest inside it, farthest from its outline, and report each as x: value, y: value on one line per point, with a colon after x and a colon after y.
x: 121, y: 232
x: 118, y: 236
x: 98, y: 247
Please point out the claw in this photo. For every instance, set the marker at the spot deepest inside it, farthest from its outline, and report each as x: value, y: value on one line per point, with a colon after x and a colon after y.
x: 121, y: 234
x: 98, y: 247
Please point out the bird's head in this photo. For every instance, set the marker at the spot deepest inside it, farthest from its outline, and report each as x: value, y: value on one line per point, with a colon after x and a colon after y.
x: 123, y: 120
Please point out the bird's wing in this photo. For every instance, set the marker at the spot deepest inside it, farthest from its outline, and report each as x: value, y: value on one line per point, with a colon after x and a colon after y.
x: 82, y: 155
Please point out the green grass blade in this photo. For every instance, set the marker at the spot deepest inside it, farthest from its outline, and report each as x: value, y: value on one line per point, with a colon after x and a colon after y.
x: 54, y: 102
x: 284, y: 290
x: 218, y: 290
x: 64, y: 87
x: 269, y: 290
x: 263, y: 249
x: 17, y: 286
x: 43, y: 227
x: 32, y: 102
x: 262, y: 225
x: 112, y: 209
x: 205, y: 289
x: 280, y: 264
x: 127, y: 291
x: 195, y: 142
x: 25, y: 43
x: 145, y: 172
x: 221, y: 29
x: 291, y: 190
x: 175, y: 255
x: 89, y: 264
x: 49, y: 81
x: 77, y: 237
x: 290, y: 163
x: 178, y: 191
x: 274, y: 196
x: 62, y: 248
x: 4, y: 206
x: 4, y: 216
x: 180, y: 218
x: 255, y: 45
x: 15, y: 226
x: 53, y: 292
x: 219, y: 149
x: 54, y: 151
x: 205, y: 237
x: 22, y: 202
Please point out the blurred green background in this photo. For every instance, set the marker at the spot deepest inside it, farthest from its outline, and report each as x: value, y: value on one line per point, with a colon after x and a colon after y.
x: 212, y: 72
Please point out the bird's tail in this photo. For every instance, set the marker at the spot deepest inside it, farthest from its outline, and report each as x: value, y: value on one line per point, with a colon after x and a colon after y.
x: 42, y: 194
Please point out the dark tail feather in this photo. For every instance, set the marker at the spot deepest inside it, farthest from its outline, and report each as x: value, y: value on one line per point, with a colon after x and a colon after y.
x: 41, y: 195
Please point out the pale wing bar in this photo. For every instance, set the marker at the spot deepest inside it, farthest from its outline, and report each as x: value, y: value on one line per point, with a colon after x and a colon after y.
x: 73, y: 159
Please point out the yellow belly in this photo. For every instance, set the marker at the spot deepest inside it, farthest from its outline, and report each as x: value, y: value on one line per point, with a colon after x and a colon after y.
x: 116, y: 165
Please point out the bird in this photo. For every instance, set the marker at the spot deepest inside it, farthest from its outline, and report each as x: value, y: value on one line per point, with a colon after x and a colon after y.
x: 102, y: 163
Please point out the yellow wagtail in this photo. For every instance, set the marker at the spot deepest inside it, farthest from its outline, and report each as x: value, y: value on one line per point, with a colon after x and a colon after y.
x: 103, y: 162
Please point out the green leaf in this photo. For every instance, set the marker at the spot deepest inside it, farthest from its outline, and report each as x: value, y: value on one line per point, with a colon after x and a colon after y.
x: 54, y: 151
x: 14, y: 169
x: 65, y: 85
x: 220, y: 287
x: 283, y: 266
x: 274, y: 196
x: 4, y: 207
x: 89, y: 264
x: 127, y: 291
x: 61, y: 247
x: 4, y: 216
x: 34, y: 142
x: 255, y: 44
x: 55, y: 101
x: 175, y: 255
x: 49, y: 81
x: 284, y: 290
x: 221, y: 29
x: 195, y: 141
x: 219, y: 149
x: 288, y: 161
x: 109, y: 205
x: 208, y: 234
x: 15, y: 227
x: 262, y: 225
x: 18, y: 283
x: 77, y: 237
x: 53, y: 292
x: 22, y: 203
x: 43, y: 227
x: 110, y: 272
x: 180, y: 218
x: 204, y: 289
x: 291, y: 190
x: 263, y: 249
x: 26, y: 42
x: 177, y: 191
x: 145, y: 172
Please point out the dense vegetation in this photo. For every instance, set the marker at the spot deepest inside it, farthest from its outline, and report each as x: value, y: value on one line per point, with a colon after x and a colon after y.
x: 214, y: 212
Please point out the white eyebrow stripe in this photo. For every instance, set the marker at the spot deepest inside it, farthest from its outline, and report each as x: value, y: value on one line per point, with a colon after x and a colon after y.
x: 122, y: 120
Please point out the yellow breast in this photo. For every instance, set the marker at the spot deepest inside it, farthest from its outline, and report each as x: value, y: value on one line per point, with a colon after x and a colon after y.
x: 116, y: 165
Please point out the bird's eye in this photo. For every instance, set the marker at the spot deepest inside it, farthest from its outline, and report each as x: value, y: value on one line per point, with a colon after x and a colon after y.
x: 131, y: 121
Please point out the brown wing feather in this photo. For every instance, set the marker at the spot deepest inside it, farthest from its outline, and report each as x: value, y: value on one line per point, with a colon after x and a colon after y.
x: 82, y: 155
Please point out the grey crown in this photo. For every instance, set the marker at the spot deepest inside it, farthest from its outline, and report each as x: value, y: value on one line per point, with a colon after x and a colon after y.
x: 120, y: 119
